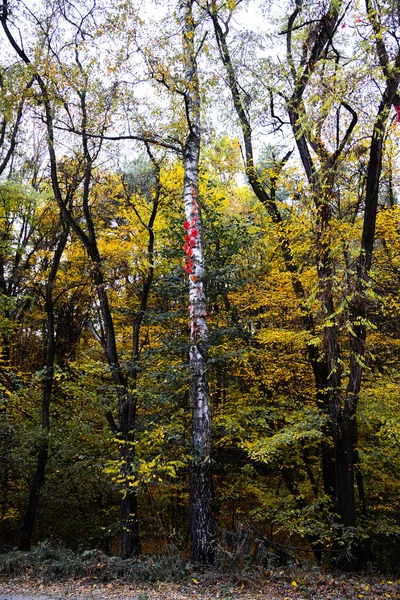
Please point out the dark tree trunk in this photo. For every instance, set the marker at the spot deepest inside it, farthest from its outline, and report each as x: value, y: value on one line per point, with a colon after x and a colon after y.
x: 130, y: 544
x: 40, y: 472
x: 129, y: 537
x: 125, y: 430
x: 202, y: 522
x: 34, y: 496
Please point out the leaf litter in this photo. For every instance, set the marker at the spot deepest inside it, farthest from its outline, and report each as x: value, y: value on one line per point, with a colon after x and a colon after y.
x: 298, y: 584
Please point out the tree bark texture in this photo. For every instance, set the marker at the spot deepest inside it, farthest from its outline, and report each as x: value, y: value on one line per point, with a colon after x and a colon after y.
x: 202, y: 524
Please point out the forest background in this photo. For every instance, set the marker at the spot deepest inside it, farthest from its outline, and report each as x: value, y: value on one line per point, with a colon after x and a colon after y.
x: 155, y: 161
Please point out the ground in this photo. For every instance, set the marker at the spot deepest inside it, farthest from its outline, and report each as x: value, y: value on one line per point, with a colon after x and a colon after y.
x: 300, y: 585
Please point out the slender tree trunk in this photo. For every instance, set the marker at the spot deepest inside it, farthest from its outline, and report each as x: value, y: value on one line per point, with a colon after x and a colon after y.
x: 41, y: 463
x: 202, y: 523
x: 6, y: 444
x: 130, y: 544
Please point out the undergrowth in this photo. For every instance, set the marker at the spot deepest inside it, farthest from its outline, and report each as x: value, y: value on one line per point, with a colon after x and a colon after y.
x: 50, y: 562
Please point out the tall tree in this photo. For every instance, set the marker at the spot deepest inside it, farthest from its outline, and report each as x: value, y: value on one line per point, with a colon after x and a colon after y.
x: 340, y: 460
x: 71, y: 180
x: 202, y: 524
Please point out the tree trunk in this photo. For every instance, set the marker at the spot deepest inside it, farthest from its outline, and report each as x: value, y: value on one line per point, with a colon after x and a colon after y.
x: 129, y: 537
x: 39, y: 476
x: 202, y: 523
x: 125, y: 430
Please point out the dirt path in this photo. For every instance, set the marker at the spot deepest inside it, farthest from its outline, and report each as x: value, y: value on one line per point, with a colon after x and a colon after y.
x: 9, y: 597
x: 70, y: 590
x: 305, y: 586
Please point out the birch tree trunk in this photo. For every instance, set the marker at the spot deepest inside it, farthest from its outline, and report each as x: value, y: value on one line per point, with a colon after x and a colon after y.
x: 202, y: 523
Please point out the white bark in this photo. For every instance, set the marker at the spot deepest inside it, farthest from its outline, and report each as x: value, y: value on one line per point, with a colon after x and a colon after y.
x: 201, y: 513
